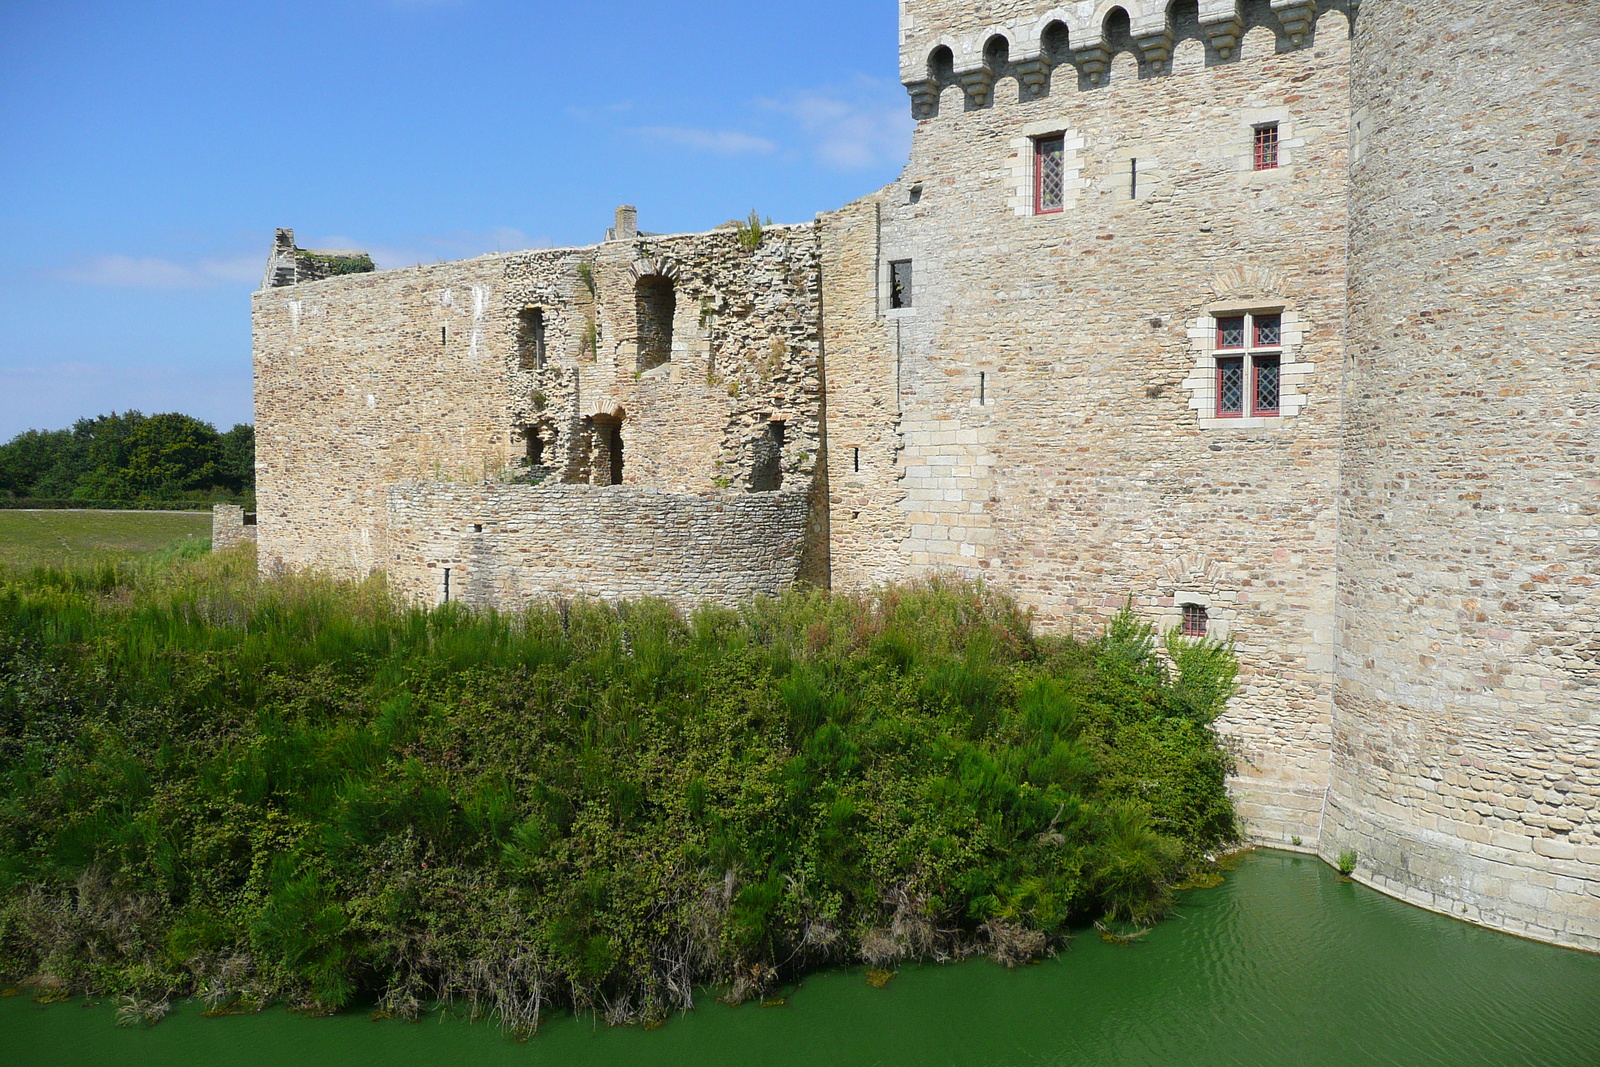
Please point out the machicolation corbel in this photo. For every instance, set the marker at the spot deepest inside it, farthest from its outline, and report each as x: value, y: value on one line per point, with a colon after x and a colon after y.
x: 1092, y: 61
x: 1222, y: 23
x: 1296, y: 17
x: 1034, y: 74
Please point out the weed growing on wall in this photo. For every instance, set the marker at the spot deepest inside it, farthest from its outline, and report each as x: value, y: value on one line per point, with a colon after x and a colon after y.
x: 751, y: 231
x: 294, y: 790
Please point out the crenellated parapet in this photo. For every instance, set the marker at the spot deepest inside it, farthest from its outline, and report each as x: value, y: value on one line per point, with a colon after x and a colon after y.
x: 946, y: 43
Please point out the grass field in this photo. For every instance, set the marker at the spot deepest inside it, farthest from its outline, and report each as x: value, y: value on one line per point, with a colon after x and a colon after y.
x: 31, y: 538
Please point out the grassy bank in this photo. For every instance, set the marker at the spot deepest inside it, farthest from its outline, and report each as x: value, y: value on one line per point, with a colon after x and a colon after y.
x: 81, y: 538
x: 296, y: 791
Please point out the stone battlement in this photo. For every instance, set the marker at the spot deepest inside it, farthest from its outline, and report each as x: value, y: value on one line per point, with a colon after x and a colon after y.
x: 947, y: 44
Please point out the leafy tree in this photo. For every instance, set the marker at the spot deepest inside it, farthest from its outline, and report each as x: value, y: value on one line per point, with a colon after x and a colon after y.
x: 129, y: 456
x: 238, y: 462
x: 171, y: 454
x: 42, y: 462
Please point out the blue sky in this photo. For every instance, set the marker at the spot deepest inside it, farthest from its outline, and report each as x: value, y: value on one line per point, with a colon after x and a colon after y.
x: 149, y: 147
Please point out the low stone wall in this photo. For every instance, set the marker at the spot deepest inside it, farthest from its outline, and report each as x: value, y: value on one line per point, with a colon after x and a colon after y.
x: 231, y: 525
x: 507, y: 545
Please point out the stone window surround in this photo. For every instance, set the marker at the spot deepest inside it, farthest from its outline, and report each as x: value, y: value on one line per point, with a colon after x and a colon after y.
x: 1201, y: 383
x: 1289, y: 145
x: 1217, y: 611
x: 922, y: 269
x: 1022, y: 177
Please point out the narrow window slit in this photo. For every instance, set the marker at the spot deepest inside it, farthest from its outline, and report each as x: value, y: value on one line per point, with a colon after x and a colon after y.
x: 1049, y: 174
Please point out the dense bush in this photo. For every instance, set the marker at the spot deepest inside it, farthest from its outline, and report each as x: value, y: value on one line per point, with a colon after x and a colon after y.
x: 296, y: 790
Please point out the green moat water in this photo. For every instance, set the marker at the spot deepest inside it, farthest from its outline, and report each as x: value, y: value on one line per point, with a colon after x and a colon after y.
x: 1283, y: 964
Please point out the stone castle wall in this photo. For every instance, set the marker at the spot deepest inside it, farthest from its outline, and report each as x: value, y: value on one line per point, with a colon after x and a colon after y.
x: 1406, y: 555
x: 1467, y: 732
x: 1041, y: 417
x: 507, y: 545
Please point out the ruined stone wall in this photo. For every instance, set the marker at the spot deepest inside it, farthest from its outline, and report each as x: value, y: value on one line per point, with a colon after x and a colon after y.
x: 745, y: 352
x: 434, y: 374
x: 367, y: 380
x: 230, y: 526
x: 506, y: 545
x: 1042, y: 415
x: 1466, y: 767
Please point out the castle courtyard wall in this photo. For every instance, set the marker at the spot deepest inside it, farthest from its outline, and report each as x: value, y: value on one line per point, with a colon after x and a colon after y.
x: 506, y: 546
x: 1040, y: 417
x: 367, y: 380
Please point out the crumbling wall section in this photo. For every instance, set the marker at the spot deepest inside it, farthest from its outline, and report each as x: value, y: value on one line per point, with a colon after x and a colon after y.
x: 367, y: 380
x: 231, y: 525
x: 523, y: 368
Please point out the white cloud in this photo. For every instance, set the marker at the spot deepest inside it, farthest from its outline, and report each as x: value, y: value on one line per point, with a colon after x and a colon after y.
x: 153, y: 272
x: 720, y: 142
x: 867, y: 124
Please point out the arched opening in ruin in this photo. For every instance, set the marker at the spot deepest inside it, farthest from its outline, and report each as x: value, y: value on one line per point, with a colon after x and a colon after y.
x: 656, y: 304
x: 942, y: 66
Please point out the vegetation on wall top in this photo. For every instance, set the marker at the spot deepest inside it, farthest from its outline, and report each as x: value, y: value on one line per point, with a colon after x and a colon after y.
x: 360, y: 263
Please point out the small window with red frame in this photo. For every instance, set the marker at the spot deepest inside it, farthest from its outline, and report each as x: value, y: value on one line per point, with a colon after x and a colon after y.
x: 1267, y: 147
x: 1196, y: 622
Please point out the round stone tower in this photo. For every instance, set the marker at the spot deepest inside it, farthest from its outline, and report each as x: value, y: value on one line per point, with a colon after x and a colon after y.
x: 1466, y: 763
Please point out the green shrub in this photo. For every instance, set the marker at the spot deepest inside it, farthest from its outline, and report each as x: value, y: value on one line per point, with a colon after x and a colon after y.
x: 297, y: 790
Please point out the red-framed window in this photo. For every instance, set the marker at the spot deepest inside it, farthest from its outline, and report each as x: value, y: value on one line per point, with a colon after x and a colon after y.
x: 1195, y: 620
x: 1049, y: 174
x: 1267, y: 147
x: 1249, y: 357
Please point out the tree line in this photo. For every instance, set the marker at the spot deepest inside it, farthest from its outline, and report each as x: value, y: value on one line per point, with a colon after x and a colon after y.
x: 130, y: 458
